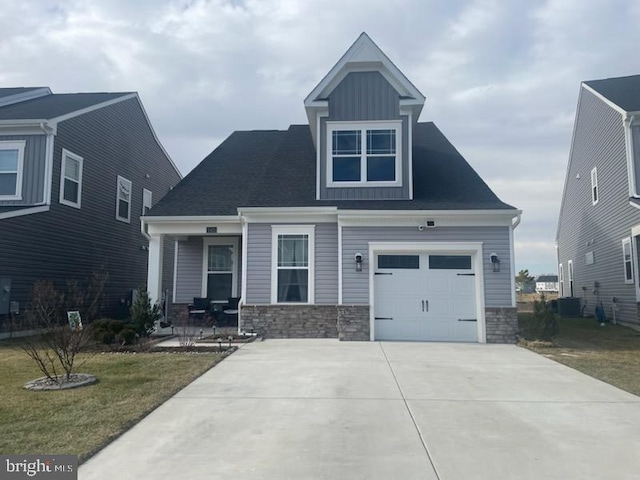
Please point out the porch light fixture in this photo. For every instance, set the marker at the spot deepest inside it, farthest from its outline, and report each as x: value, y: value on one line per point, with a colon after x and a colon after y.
x: 495, y: 261
x: 358, y: 259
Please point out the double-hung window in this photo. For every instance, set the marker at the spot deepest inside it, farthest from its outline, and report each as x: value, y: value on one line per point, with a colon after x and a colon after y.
x: 147, y: 201
x: 364, y: 154
x: 123, y: 199
x: 11, y: 164
x: 627, y: 259
x: 292, y: 270
x: 71, y: 179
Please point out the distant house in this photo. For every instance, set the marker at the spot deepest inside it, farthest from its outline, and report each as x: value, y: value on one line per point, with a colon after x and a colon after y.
x: 364, y: 224
x: 547, y: 284
x: 599, y: 222
x: 77, y: 171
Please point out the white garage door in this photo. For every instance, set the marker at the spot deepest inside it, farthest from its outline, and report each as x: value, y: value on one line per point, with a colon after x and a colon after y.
x: 425, y: 297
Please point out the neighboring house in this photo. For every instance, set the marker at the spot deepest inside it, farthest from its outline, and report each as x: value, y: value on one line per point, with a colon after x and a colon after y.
x: 362, y: 225
x: 547, y: 284
x: 76, y: 173
x: 599, y: 222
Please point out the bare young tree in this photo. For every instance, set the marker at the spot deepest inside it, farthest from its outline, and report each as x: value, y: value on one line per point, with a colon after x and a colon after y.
x: 56, y: 347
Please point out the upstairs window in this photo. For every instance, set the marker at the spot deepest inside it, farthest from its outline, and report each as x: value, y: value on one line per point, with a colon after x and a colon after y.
x: 594, y: 186
x: 627, y: 259
x: 71, y: 179
x: 147, y: 201
x: 123, y: 200
x: 363, y: 154
x: 11, y: 162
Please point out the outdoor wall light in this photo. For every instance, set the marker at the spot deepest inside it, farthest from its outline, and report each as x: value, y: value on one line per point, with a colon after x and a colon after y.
x: 358, y: 259
x: 495, y: 261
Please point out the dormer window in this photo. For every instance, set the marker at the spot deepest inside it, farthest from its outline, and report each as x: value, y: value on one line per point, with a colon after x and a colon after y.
x: 364, y: 154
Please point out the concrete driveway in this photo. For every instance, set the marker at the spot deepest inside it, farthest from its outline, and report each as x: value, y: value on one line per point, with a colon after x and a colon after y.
x: 321, y: 409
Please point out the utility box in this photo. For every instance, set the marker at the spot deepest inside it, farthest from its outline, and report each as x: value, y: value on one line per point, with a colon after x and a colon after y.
x: 569, y: 307
x: 5, y: 295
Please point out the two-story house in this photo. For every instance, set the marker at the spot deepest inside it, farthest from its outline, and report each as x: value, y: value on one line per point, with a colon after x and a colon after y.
x: 599, y: 223
x: 77, y: 171
x: 364, y: 224
x: 547, y: 284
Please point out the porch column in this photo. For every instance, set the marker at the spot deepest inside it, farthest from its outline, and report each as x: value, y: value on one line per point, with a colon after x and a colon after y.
x: 154, y: 268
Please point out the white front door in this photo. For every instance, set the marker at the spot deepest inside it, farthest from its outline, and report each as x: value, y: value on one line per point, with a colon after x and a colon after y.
x: 425, y: 297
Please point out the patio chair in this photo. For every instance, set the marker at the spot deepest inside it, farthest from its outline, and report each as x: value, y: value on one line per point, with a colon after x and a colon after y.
x: 198, y: 309
x: 227, y: 315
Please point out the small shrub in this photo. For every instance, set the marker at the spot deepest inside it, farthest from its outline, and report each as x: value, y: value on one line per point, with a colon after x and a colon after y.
x: 144, y: 315
x: 109, y: 332
x: 544, y: 324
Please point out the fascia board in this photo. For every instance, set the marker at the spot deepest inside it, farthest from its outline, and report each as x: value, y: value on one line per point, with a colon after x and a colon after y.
x: 25, y: 211
x: 191, y: 219
x: 23, y: 97
x: 286, y: 210
x: 418, y: 218
x: 195, y: 228
x: 615, y: 106
x: 91, y: 108
x: 375, y: 54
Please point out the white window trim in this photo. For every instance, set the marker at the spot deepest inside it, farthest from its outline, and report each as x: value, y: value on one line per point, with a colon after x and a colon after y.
x: 627, y: 241
x: 63, y: 170
x: 308, y: 230
x: 205, y: 262
x: 594, y: 186
x: 363, y: 126
x: 147, y: 199
x: 15, y: 145
x: 118, y: 181
x: 561, y: 278
x: 570, y: 276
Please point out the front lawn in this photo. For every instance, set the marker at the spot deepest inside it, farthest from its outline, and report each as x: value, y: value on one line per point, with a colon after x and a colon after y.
x: 81, y: 421
x: 610, y: 353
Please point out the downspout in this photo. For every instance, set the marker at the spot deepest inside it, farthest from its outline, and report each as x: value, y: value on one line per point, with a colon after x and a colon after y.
x: 48, y: 162
x: 243, y: 287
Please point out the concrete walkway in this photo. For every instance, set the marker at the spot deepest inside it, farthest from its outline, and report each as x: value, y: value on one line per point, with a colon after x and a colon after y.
x: 322, y: 409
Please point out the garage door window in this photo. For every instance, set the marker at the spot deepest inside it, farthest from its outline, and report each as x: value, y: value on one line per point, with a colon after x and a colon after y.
x: 450, y: 262
x: 399, y: 261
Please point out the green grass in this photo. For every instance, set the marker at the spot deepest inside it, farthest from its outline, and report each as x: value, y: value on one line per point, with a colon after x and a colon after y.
x: 81, y: 421
x: 610, y: 353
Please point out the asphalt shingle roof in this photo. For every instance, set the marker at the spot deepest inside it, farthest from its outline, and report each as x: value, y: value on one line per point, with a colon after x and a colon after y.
x: 623, y: 91
x: 278, y: 169
x: 547, y: 278
x: 54, y: 105
x: 7, y: 92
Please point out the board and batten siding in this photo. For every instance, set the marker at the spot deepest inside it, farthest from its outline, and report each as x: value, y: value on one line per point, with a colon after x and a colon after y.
x: 364, y: 96
x: 355, y: 285
x: 259, y: 264
x: 598, y: 141
x: 33, y: 170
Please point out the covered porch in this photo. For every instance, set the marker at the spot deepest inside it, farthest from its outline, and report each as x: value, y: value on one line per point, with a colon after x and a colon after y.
x: 208, y: 262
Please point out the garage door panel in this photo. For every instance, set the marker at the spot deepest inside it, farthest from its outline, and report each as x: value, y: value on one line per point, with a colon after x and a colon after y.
x: 448, y: 291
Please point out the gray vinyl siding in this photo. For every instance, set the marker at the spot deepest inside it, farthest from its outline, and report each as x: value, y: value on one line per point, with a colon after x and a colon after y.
x: 635, y: 136
x: 33, y: 169
x: 259, y: 264
x: 189, y: 270
x: 364, y: 96
x: 355, y: 285
x: 67, y: 243
x: 598, y: 141
x: 326, y: 260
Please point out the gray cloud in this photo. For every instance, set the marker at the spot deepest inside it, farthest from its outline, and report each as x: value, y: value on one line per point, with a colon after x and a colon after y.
x: 501, y: 77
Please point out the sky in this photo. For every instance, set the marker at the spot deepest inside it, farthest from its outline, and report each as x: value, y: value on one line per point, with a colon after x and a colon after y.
x: 501, y: 77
